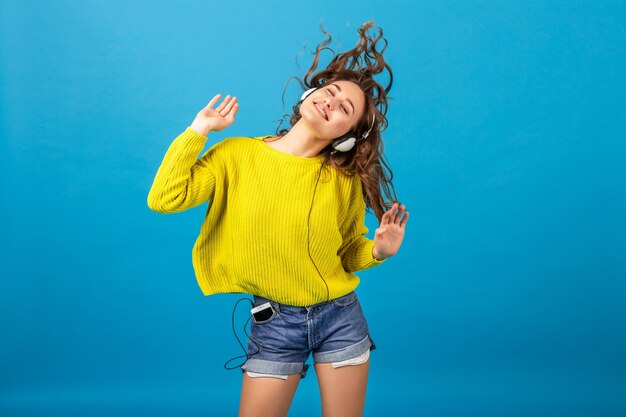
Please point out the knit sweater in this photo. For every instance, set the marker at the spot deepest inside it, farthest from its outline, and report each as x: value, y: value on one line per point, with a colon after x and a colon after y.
x: 254, y: 238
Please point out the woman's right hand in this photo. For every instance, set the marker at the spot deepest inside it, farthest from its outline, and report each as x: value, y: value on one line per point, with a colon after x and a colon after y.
x: 214, y: 120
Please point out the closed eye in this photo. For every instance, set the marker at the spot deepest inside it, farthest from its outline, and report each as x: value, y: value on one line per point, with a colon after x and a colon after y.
x: 333, y: 94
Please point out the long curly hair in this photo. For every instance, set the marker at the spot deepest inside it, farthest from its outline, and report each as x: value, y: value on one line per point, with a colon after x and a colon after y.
x: 358, y: 65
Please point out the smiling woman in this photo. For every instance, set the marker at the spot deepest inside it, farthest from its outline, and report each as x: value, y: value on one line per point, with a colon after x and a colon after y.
x: 294, y: 238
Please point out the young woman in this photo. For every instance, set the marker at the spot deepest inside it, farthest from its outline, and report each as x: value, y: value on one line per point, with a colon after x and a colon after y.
x: 285, y: 223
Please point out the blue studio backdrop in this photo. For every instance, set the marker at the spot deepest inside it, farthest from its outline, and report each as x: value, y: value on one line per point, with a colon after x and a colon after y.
x: 506, y: 140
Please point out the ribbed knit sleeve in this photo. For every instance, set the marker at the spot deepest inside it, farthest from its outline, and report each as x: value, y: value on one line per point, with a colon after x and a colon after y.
x: 356, y: 250
x: 182, y: 180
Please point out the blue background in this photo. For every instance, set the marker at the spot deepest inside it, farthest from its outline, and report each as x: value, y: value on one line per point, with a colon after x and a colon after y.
x: 506, y: 139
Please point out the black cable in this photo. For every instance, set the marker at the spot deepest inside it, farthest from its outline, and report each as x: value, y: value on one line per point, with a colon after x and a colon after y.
x: 247, y: 356
x: 308, y: 225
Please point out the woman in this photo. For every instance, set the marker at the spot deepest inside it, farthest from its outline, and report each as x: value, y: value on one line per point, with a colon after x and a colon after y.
x: 286, y: 223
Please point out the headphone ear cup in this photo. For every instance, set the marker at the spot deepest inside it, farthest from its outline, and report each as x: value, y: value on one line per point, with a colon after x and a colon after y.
x: 344, y: 143
x: 306, y: 93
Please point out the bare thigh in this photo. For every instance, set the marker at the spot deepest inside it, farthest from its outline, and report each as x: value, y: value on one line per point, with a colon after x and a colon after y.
x: 267, y: 396
x: 342, y: 389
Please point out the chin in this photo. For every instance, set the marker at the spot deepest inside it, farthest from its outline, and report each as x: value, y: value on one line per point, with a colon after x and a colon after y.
x: 317, y: 124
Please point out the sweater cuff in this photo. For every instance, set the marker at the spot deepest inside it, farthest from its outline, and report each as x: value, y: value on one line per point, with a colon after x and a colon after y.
x: 373, y: 261
x: 193, y: 134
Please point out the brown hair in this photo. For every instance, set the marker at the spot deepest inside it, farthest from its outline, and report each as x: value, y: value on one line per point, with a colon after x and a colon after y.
x: 366, y: 156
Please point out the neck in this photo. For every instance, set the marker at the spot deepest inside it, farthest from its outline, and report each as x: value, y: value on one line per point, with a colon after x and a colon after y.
x: 301, y: 142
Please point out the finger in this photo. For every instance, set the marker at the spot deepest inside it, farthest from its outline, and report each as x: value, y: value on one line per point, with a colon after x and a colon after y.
x: 230, y: 105
x: 213, y: 101
x: 231, y: 115
x: 385, y: 219
x: 406, y: 217
x: 387, y: 216
x: 398, y: 215
x: 223, y: 104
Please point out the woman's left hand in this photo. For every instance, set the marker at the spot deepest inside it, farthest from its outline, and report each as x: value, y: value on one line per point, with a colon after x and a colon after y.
x: 388, y: 237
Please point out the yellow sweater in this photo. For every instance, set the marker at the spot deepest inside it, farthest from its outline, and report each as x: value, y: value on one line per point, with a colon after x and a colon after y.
x: 254, y: 236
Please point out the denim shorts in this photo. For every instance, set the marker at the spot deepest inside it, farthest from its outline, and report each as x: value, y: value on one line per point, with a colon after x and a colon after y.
x: 334, y: 330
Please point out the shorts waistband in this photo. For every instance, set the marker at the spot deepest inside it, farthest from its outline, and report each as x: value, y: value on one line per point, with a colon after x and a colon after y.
x: 288, y: 307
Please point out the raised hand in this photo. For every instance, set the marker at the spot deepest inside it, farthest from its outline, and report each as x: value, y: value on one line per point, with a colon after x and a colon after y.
x: 214, y: 120
x: 389, y: 235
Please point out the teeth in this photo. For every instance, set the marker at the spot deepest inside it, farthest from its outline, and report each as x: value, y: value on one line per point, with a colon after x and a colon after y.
x: 319, y: 108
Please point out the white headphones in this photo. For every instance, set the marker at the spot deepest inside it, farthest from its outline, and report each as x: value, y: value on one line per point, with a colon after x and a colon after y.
x: 345, y: 142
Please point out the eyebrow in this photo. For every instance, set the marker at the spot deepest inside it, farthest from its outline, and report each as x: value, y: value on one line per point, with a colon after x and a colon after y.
x: 349, y: 101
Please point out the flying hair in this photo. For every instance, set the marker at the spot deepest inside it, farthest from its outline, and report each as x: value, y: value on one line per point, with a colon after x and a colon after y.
x: 359, y: 65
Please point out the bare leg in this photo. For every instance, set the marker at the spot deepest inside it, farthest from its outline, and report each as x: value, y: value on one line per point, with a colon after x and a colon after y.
x: 342, y: 389
x: 267, y: 396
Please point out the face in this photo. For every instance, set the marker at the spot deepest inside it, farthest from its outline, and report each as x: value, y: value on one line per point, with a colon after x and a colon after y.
x: 343, y: 103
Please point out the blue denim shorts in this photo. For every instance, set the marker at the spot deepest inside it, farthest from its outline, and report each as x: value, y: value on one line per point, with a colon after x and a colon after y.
x: 334, y: 330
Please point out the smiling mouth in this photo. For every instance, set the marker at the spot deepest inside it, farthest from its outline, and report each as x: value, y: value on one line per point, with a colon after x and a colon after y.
x: 321, y: 110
